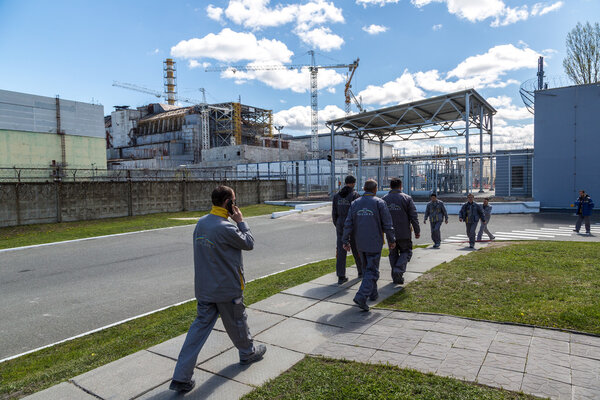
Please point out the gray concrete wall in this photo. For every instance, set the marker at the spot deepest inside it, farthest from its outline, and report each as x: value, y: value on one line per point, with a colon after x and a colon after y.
x: 566, y: 140
x: 34, y: 203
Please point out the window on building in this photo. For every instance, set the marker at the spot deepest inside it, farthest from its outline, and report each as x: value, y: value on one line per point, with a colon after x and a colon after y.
x: 517, y: 177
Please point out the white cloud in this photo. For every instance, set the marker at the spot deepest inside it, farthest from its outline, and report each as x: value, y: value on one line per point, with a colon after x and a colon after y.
x: 401, y: 90
x: 298, y: 118
x: 497, y: 10
x: 374, y: 29
x: 507, y: 111
x: 486, y: 70
x: 379, y: 3
x: 214, y: 12
x: 308, y: 18
x: 195, y: 64
x: 437, y: 27
x: 231, y: 46
x: 509, y: 137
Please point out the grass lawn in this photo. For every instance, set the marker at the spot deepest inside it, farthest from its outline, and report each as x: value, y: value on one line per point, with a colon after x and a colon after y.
x: 321, y: 378
x: 25, y: 235
x: 36, y: 371
x: 554, y: 284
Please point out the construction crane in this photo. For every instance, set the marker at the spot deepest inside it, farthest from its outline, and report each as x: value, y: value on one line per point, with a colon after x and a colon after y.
x: 313, y: 69
x: 155, y: 93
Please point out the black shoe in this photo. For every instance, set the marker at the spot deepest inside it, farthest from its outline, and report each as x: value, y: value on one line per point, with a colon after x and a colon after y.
x: 363, y: 305
x: 472, y: 246
x: 374, y: 298
x: 398, y: 279
x: 258, y: 354
x: 342, y: 280
x: 182, y: 387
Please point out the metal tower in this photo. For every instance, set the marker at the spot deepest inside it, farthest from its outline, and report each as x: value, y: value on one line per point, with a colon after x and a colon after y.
x: 170, y: 80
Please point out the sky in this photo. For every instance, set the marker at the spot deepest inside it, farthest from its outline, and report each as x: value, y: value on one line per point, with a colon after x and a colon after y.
x: 408, y: 50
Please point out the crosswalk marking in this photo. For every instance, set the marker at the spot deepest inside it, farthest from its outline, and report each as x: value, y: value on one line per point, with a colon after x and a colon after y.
x: 531, y: 234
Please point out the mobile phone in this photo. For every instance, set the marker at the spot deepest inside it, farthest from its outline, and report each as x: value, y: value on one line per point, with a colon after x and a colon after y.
x: 230, y: 206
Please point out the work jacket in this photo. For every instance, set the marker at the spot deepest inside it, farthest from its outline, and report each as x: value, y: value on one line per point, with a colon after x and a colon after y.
x: 218, y: 267
x: 367, y: 220
x: 404, y: 213
x: 471, y: 213
x: 487, y: 212
x: 586, y: 204
x: 341, y: 205
x: 436, y: 211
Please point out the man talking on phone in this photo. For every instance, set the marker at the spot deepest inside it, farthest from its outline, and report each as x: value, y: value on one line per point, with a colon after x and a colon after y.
x: 219, y: 286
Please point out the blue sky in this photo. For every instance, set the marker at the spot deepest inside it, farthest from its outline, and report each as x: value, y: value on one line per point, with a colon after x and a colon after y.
x: 408, y: 49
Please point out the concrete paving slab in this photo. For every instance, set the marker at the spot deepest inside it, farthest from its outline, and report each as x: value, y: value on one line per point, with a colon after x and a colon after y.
x: 344, y: 351
x: 584, y: 363
x: 329, y: 313
x: 128, y: 377
x: 473, y: 343
x: 552, y: 334
x: 462, y: 364
x: 581, y: 393
x: 284, y: 304
x: 516, y: 329
x: 313, y: 290
x: 298, y: 335
x: 544, y: 387
x: 408, y: 334
x: 258, y: 321
x: 387, y: 358
x: 332, y: 278
x: 62, y: 391
x: 411, y: 277
x: 549, y: 357
x: 508, y: 349
x: 217, y: 343
x: 584, y: 350
x: 422, y: 364
x: 452, y: 329
x: 587, y: 379
x: 344, y: 296
x: 549, y: 371
x: 540, y: 343
x: 345, y: 338
x: 503, y: 361
x: 585, y: 339
x: 208, y: 386
x: 384, y: 331
x: 513, y: 338
x: 370, y: 341
x: 275, y: 362
x: 430, y: 350
x: 443, y: 339
x: 399, y: 345
x: 501, y: 378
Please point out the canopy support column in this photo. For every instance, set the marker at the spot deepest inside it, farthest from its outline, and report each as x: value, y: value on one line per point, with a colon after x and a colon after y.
x: 332, y: 166
x: 480, y: 149
x: 467, y: 166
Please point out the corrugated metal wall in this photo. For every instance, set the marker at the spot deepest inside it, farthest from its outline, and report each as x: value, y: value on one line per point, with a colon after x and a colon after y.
x: 26, y: 112
x: 567, y: 144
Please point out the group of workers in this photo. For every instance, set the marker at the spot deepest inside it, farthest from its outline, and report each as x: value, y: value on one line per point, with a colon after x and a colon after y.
x: 362, y: 221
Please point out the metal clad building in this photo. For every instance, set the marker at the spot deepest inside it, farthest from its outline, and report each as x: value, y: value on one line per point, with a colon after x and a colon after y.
x: 514, y: 173
x: 567, y: 144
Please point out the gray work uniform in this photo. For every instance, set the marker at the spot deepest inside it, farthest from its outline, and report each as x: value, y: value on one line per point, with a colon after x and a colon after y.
x: 339, y: 211
x: 367, y: 220
x: 404, y: 215
x: 471, y: 213
x: 436, y: 212
x: 487, y: 212
x: 219, y: 285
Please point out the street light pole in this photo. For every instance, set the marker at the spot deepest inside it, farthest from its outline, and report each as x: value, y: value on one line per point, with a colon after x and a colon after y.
x: 279, y: 128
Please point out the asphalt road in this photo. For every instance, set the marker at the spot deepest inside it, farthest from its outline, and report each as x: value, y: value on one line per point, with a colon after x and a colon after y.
x: 54, y: 292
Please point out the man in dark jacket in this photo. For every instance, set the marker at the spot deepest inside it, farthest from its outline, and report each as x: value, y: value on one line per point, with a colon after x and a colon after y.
x: 219, y: 286
x: 367, y: 220
x: 339, y: 211
x: 436, y: 212
x: 404, y: 215
x: 584, y: 205
x: 487, y: 211
x: 471, y: 213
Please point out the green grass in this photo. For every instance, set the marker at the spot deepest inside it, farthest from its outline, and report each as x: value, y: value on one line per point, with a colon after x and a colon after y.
x: 321, y: 378
x: 553, y: 284
x: 36, y: 371
x: 25, y: 235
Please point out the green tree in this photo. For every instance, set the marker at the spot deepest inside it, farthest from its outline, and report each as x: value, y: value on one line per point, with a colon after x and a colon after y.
x: 582, y: 63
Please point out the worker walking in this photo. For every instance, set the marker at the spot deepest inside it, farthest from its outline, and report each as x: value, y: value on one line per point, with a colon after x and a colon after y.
x: 219, y: 286
x: 487, y: 211
x: 436, y: 212
x: 471, y: 213
x: 404, y: 216
x: 339, y: 211
x: 367, y: 220
x: 584, y: 205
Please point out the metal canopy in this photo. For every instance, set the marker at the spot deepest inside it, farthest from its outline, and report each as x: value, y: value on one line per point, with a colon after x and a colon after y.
x: 434, y: 118
x: 445, y: 116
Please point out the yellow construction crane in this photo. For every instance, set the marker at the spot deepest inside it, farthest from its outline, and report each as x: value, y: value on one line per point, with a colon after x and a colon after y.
x: 314, y: 69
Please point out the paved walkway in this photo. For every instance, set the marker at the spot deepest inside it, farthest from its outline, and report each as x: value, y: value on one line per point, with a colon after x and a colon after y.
x: 319, y: 318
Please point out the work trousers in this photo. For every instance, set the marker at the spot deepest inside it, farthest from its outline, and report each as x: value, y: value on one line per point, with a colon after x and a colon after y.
x: 484, y: 228
x: 436, y: 235
x: 341, y: 253
x: 400, y: 256
x: 368, y: 286
x: 471, y: 230
x: 233, y: 315
x: 580, y: 220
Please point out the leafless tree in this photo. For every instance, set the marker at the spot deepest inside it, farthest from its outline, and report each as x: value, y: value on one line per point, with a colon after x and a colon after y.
x: 582, y: 63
